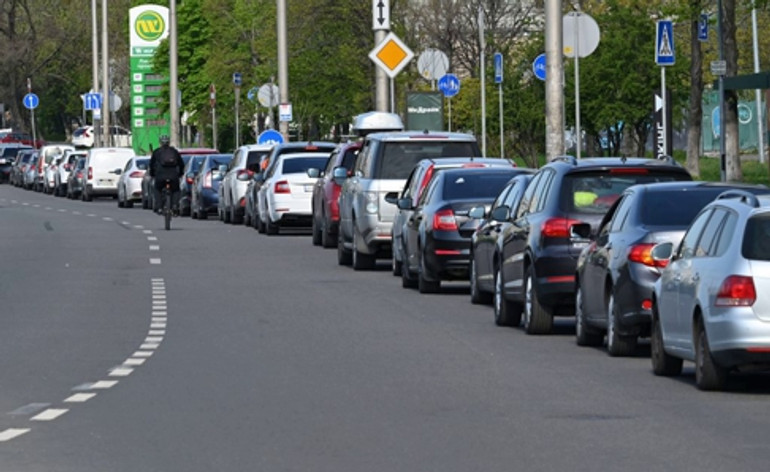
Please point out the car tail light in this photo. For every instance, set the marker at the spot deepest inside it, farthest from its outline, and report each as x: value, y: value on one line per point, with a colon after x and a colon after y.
x: 244, y: 175
x: 208, y: 180
x: 473, y: 165
x: 189, y: 180
x: 444, y: 220
x: 646, y: 304
x: 67, y: 167
x: 629, y: 171
x: 642, y: 253
x: 137, y: 174
x: 90, y: 173
x: 242, y: 202
x: 736, y: 290
x: 425, y: 180
x: 282, y: 187
x: 334, y: 205
x: 557, y: 227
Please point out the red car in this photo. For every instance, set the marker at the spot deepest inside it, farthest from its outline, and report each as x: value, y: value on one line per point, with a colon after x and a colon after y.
x: 326, y: 192
x: 16, y: 137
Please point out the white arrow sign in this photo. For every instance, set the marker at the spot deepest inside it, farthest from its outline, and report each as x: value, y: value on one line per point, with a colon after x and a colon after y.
x: 380, y: 15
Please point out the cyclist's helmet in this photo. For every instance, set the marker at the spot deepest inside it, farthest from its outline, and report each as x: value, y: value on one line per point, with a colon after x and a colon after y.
x: 164, y: 140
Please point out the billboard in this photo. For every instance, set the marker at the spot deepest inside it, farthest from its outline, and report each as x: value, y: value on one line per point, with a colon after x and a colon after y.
x: 425, y: 111
x: 148, y: 26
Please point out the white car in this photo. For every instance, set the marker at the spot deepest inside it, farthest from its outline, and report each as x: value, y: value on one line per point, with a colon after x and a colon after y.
x: 83, y: 137
x: 232, y: 191
x: 103, y: 166
x: 130, y: 181
x: 46, y: 167
x: 64, y: 166
x: 285, y: 197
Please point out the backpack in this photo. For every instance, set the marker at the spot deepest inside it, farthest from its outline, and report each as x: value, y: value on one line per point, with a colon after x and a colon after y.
x: 167, y: 158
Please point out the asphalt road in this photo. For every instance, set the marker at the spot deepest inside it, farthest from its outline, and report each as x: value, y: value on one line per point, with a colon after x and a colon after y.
x: 124, y: 347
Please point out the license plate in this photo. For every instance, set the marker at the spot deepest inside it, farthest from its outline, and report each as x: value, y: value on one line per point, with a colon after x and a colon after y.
x: 105, y: 181
x: 308, y: 188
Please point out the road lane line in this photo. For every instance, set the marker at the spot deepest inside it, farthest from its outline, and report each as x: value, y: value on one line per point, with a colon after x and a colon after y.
x: 79, y: 398
x: 152, y: 238
x: 155, y: 261
x: 142, y: 354
x: 121, y: 372
x: 154, y: 248
x: 134, y: 361
x: 12, y: 433
x: 149, y: 346
x: 49, y: 414
x: 157, y: 332
x: 103, y: 384
x: 147, y: 231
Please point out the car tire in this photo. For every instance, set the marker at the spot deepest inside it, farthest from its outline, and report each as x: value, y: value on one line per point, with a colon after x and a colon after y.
x: 272, y: 228
x: 477, y: 296
x: 425, y: 285
x: 121, y: 203
x: 396, y: 266
x: 585, y: 335
x: 408, y: 279
x: 360, y: 260
x: 315, y: 231
x: 537, y: 318
x: 344, y: 256
x: 507, y: 313
x: 226, y: 215
x: 235, y: 216
x: 709, y: 375
x: 328, y: 238
x: 663, y: 364
x: 128, y: 204
x: 617, y: 344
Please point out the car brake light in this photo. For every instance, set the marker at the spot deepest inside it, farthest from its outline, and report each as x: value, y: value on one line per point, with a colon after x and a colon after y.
x: 90, y: 173
x: 137, y: 174
x: 444, y: 220
x: 282, y: 187
x: 425, y: 179
x: 207, y: 180
x: 627, y: 171
x: 189, y: 180
x: 736, y: 290
x: 473, y: 165
x: 242, y: 202
x: 557, y: 227
x: 642, y: 253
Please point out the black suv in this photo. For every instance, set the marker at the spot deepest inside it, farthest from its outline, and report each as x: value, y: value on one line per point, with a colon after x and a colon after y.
x: 535, y: 264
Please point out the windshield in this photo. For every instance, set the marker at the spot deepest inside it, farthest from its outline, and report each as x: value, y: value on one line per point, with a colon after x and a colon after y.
x: 399, y: 158
x: 474, y: 186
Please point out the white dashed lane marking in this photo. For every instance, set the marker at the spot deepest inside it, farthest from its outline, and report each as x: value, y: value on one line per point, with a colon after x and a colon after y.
x: 12, y: 433
x: 49, y: 414
x: 79, y: 398
x: 103, y: 384
x: 121, y: 372
x: 155, y: 261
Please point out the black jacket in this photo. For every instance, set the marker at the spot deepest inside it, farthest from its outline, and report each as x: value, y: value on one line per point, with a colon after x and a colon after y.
x: 160, y: 172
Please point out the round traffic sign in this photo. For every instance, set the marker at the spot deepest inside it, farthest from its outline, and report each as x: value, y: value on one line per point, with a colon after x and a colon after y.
x: 449, y: 84
x: 31, y: 101
x: 269, y: 95
x: 538, y: 66
x: 580, y: 33
x: 432, y: 64
x: 270, y: 136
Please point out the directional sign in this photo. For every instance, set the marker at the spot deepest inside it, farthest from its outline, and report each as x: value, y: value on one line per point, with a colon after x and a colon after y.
x: 380, y: 15
x: 449, y: 84
x: 538, y: 67
x: 703, y: 27
x: 270, y: 136
x: 664, y: 45
x: 92, y: 101
x: 285, y: 112
x: 31, y: 101
x: 391, y: 55
x: 237, y: 79
x: 498, y: 68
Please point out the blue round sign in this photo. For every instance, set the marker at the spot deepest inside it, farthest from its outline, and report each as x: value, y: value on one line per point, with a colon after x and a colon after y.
x: 270, y: 136
x: 31, y: 101
x: 538, y: 66
x: 449, y: 84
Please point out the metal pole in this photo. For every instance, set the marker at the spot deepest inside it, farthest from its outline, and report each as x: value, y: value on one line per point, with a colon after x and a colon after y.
x: 392, y: 95
x: 578, y: 133
x: 554, y: 80
x: 502, y: 138
x: 173, y: 84
x: 482, y: 74
x: 757, y: 92
x: 380, y: 77
x: 107, y: 136
x: 722, y: 144
x: 32, y: 115
x: 449, y: 100
x: 214, y: 126
x: 237, y: 116
x: 283, y: 65
x: 95, y: 68
x: 663, y: 120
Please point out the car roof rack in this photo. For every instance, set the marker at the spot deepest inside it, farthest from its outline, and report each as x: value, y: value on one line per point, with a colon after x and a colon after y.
x: 569, y: 159
x: 742, y: 196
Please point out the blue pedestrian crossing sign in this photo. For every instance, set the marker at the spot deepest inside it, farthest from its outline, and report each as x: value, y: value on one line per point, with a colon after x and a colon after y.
x: 664, y: 44
x: 31, y: 101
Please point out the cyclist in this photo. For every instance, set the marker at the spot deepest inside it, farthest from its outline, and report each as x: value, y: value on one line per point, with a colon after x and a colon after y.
x: 166, y: 164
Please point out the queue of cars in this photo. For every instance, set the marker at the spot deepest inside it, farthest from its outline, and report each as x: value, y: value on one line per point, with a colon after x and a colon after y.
x: 630, y: 248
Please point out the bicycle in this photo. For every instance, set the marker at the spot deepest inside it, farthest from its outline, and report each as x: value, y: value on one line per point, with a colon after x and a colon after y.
x: 167, y: 209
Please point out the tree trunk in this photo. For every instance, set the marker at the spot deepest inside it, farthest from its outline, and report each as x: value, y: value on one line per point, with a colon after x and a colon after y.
x: 730, y: 133
x: 695, y: 126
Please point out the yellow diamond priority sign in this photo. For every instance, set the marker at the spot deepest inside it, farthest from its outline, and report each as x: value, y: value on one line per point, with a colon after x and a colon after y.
x: 391, y: 55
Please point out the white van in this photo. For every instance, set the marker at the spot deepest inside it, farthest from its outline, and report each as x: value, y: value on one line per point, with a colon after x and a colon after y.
x: 103, y: 167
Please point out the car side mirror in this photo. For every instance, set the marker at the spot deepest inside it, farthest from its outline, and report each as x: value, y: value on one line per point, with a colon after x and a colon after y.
x: 339, y: 174
x: 580, y: 231
x: 223, y: 169
x: 314, y: 173
x: 662, y: 252
x: 477, y: 212
x: 392, y: 198
x: 405, y: 203
x: 259, y: 177
x: 501, y: 213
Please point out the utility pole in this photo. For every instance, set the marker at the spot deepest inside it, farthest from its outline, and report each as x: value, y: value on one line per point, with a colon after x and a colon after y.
x: 722, y: 143
x: 554, y: 80
x: 105, y: 79
x: 283, y: 65
x: 95, y: 69
x: 173, y: 86
x: 482, y: 75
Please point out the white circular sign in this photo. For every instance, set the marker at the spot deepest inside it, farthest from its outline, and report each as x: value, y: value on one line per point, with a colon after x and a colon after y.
x: 433, y: 64
x: 115, y: 102
x: 581, y: 33
x: 269, y: 95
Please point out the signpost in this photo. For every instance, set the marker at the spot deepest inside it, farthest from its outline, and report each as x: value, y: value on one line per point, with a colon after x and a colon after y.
x: 498, y: 60
x: 31, y: 101
x: 449, y: 85
x: 237, y: 81
x: 664, y: 57
x: 391, y: 55
x: 213, y: 104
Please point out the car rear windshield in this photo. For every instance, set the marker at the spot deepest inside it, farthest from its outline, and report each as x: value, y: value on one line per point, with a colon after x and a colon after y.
x: 79, y: 131
x: 254, y: 158
x: 399, y: 158
x: 680, y: 206
x: 220, y: 161
x: 756, y: 239
x: 474, y: 186
x: 299, y: 165
x: 595, y: 192
x: 142, y: 164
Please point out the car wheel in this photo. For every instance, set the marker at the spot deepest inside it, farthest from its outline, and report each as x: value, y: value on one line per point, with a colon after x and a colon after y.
x: 396, y: 266
x: 227, y: 215
x: 708, y: 374
x: 202, y: 215
x: 477, y: 296
x: 272, y: 228
x: 121, y: 203
x: 617, y: 344
x: 361, y: 261
x: 235, y: 216
x: 316, y: 232
x: 507, y: 313
x: 408, y: 280
x: 423, y: 284
x: 537, y: 318
x: 584, y: 334
x: 662, y: 363
x: 327, y: 236
x: 344, y: 256
x: 261, y: 225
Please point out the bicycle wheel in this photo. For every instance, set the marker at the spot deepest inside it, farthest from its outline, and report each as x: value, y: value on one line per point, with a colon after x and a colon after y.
x: 167, y: 210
